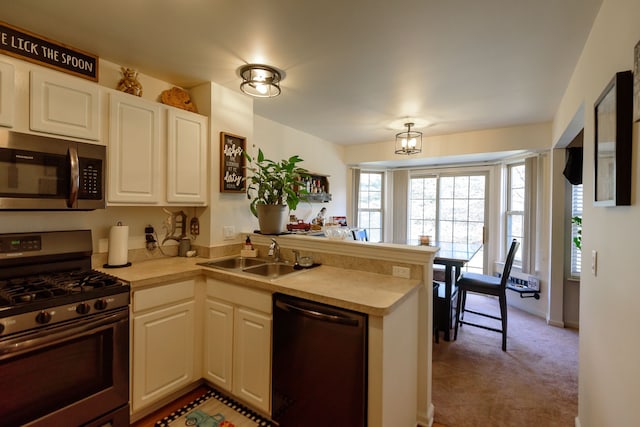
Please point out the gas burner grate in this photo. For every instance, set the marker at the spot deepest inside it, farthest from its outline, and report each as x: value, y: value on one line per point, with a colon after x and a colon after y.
x: 23, y: 290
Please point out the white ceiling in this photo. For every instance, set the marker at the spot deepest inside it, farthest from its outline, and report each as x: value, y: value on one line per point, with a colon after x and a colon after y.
x: 352, y: 66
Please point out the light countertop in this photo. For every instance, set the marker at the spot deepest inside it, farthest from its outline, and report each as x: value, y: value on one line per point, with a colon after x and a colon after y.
x: 370, y: 293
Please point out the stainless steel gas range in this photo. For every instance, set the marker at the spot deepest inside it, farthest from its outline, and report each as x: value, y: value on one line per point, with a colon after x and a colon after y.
x: 64, y: 334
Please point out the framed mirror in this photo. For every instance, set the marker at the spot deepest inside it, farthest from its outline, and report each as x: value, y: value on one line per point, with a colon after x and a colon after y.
x: 613, y: 126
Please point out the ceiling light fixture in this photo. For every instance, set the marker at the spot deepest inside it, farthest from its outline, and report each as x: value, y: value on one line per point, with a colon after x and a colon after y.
x: 409, y: 142
x: 260, y: 81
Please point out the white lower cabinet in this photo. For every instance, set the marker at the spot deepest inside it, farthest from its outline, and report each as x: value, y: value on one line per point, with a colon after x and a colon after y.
x: 163, y: 342
x: 238, y: 342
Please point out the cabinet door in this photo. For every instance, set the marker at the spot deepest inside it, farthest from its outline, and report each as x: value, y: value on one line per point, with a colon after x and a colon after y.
x: 219, y: 343
x: 163, y: 353
x: 64, y: 105
x: 134, y: 150
x: 186, y: 157
x: 7, y: 94
x: 252, y: 359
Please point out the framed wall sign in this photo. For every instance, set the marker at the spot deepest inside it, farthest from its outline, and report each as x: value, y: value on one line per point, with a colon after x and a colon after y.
x: 232, y: 163
x: 613, y: 142
x: 636, y: 83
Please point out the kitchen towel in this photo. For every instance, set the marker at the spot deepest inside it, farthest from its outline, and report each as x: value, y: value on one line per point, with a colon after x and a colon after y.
x: 118, y: 245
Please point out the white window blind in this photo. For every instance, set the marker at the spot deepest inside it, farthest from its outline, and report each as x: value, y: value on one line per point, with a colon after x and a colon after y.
x: 370, y: 204
x: 576, y: 210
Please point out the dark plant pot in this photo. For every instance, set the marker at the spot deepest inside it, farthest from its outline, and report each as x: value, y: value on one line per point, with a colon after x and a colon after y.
x: 272, y: 218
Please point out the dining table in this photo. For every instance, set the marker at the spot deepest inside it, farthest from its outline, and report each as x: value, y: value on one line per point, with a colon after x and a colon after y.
x: 453, y: 256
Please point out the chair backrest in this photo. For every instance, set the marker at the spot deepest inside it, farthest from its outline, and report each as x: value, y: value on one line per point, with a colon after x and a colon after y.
x: 508, y: 263
x: 360, y: 234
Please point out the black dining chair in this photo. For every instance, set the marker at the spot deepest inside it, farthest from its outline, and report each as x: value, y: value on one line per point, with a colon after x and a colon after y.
x: 486, y: 285
x: 360, y: 234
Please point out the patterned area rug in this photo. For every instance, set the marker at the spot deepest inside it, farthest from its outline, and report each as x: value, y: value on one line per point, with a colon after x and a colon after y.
x: 213, y: 409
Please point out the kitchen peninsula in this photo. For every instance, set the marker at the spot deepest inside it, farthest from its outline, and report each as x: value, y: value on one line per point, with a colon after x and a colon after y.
x: 352, y: 275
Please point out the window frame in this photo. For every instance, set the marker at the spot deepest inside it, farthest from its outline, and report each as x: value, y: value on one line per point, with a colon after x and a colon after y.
x: 510, y: 213
x: 380, y: 210
x: 438, y: 176
x: 575, y: 254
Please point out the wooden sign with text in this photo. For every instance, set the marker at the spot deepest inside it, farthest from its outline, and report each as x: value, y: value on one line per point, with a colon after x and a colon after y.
x: 232, y: 162
x: 22, y: 44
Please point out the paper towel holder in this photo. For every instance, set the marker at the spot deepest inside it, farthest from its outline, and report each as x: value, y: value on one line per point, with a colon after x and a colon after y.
x: 127, y: 264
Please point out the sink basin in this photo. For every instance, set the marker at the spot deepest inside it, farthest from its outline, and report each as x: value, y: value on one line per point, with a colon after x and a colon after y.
x: 234, y: 263
x: 271, y: 270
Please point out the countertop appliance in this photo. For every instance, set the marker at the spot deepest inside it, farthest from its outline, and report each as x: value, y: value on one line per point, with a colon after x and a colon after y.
x: 64, y: 334
x: 41, y: 173
x: 319, y: 364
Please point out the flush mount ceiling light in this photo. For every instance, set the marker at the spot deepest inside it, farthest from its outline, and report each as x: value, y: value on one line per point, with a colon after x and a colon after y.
x: 260, y: 81
x: 409, y: 141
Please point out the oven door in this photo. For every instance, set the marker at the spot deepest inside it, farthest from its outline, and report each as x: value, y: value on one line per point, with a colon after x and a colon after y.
x: 69, y: 375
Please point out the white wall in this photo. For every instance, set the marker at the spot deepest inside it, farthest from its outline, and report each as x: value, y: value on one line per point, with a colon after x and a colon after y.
x: 231, y: 111
x: 609, y: 376
x: 320, y: 156
x: 534, y: 137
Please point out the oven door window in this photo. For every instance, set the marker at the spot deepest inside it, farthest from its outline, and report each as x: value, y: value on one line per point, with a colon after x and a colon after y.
x: 33, y: 175
x: 45, y: 380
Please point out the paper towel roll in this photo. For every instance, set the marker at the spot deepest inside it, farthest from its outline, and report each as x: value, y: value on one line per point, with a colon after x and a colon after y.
x: 118, y: 245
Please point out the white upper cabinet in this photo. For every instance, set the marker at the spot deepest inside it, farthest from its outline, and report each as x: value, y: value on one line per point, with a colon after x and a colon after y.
x: 157, y: 154
x: 186, y: 157
x: 7, y: 94
x: 134, y: 150
x: 64, y: 105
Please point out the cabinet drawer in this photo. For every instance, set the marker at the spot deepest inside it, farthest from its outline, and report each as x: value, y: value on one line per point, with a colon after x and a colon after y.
x: 162, y: 295
x: 240, y: 295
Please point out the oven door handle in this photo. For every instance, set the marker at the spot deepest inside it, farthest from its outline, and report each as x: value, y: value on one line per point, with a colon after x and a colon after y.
x: 57, y: 334
x: 74, y: 177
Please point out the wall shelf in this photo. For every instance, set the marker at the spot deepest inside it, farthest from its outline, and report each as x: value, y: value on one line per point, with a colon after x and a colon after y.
x: 317, y: 186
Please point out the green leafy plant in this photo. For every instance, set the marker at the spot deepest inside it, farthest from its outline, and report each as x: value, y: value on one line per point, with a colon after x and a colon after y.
x: 275, y: 183
x: 577, y: 240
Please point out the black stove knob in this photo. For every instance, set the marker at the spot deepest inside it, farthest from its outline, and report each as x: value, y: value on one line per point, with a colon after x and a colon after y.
x: 100, y: 304
x: 43, y: 317
x: 83, y: 308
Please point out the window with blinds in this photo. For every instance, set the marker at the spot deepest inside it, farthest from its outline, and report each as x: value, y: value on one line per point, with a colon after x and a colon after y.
x: 576, y: 210
x: 370, y: 202
x: 515, y: 208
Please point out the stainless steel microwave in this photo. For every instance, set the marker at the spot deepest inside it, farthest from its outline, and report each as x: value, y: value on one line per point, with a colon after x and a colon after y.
x: 41, y: 173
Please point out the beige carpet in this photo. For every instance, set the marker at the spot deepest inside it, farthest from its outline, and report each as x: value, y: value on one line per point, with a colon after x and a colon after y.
x: 534, y: 383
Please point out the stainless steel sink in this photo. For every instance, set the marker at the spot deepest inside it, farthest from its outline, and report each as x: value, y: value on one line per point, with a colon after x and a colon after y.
x: 236, y: 263
x: 272, y: 270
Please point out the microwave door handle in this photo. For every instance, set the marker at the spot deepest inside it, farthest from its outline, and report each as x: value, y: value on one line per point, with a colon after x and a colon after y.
x: 74, y: 177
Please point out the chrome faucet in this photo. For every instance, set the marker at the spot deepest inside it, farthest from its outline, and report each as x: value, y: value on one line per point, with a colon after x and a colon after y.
x: 274, y: 250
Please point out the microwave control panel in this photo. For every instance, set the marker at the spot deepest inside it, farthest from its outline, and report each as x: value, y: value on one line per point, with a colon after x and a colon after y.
x: 90, y: 179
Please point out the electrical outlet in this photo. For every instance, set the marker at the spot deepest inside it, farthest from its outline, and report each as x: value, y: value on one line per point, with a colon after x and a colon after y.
x: 229, y: 232
x: 594, y: 263
x: 149, y: 236
x: 194, y: 226
x: 403, y: 272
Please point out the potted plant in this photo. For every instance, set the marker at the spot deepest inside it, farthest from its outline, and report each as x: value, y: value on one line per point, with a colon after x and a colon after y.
x: 274, y: 188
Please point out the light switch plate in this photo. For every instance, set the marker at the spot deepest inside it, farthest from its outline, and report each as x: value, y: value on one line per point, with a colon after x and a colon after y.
x: 594, y: 262
x: 229, y: 232
x: 403, y: 272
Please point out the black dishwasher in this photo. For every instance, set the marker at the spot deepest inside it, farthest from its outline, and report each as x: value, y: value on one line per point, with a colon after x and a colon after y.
x: 319, y: 364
